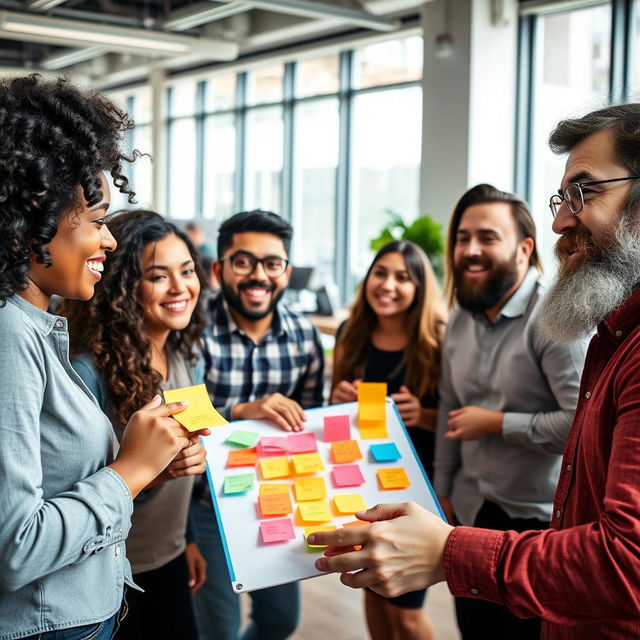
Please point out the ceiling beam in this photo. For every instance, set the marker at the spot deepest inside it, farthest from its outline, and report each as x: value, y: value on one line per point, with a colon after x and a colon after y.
x: 44, y: 5
x: 70, y: 57
x: 202, y: 13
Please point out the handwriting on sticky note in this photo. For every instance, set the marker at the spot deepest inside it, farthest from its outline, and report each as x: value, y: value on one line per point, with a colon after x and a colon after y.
x: 307, y: 463
x: 302, y: 443
x: 386, y: 452
x: 242, y: 458
x: 277, y: 530
x: 348, y: 475
x: 275, y: 504
x: 349, y: 503
x: 345, y: 451
x: 267, y: 488
x: 275, y: 468
x: 242, y: 439
x: 309, y: 489
x: 395, y: 478
x: 336, y: 428
x: 200, y: 413
x: 314, y: 511
x: 238, y: 483
x: 309, y: 530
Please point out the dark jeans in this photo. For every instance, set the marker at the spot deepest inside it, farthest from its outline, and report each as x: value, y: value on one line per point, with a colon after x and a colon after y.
x: 163, y: 611
x: 478, y: 619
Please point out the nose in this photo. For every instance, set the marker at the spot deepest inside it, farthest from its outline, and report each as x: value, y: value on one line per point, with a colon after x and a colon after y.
x: 565, y: 221
x: 108, y: 241
x: 177, y: 284
x: 472, y: 248
x: 259, y: 273
x: 388, y: 283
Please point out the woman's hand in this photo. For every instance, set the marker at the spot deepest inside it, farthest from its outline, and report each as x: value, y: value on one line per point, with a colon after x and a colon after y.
x: 189, y: 461
x: 196, y: 567
x: 408, y: 406
x: 345, y: 391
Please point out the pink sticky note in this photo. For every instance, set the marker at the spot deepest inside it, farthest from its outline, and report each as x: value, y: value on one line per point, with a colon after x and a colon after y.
x: 347, y: 475
x: 272, y: 445
x: 336, y: 428
x: 302, y: 443
x: 277, y: 530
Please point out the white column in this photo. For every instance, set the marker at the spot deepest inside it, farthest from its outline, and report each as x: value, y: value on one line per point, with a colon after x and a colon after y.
x: 158, y: 147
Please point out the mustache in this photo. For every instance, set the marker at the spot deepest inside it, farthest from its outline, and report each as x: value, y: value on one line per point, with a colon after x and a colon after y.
x: 578, y: 240
x: 254, y: 284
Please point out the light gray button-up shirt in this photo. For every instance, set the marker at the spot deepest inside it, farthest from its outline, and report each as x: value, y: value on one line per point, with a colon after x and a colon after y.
x: 506, y: 366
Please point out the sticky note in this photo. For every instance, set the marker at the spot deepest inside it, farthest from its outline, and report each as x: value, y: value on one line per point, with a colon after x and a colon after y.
x: 242, y: 439
x: 277, y: 530
x: 336, y: 428
x: 387, y: 452
x: 275, y: 468
x: 349, y: 503
x: 242, y: 458
x: 314, y: 511
x: 200, y: 413
x: 307, y: 463
x: 372, y: 410
x: 393, y: 478
x: 374, y: 433
x: 348, y: 475
x: 275, y: 504
x: 302, y: 443
x: 309, y: 530
x: 272, y: 445
x: 345, y: 451
x: 239, y: 483
x: 309, y: 489
x: 269, y: 488
x: 372, y: 393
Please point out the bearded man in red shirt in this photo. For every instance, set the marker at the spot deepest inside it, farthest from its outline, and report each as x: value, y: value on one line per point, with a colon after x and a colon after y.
x: 581, y: 576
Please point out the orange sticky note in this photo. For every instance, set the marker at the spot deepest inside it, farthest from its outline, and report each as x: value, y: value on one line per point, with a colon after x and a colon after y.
x: 314, y: 511
x: 349, y: 503
x: 309, y: 489
x: 309, y: 530
x: 275, y: 504
x: 275, y: 467
x: 395, y: 478
x: 242, y: 458
x: 307, y: 463
x: 345, y: 451
x: 267, y: 489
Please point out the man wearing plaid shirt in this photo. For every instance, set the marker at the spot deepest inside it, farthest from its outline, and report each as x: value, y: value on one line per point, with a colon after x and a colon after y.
x: 264, y: 361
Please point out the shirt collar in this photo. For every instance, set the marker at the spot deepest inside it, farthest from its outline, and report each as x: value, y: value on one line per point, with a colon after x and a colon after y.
x: 43, y: 320
x: 623, y: 319
x: 517, y: 304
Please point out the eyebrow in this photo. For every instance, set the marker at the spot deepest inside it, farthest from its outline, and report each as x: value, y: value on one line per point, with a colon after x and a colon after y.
x: 585, y: 176
x: 164, y: 267
x: 103, y: 205
x: 488, y: 230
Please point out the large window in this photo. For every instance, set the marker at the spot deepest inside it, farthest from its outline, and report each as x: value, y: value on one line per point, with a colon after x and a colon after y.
x: 635, y: 59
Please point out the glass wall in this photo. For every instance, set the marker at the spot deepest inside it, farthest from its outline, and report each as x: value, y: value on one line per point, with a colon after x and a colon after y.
x: 635, y: 58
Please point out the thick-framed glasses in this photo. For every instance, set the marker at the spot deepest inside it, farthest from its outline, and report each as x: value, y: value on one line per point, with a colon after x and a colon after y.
x: 244, y: 263
x: 573, y: 194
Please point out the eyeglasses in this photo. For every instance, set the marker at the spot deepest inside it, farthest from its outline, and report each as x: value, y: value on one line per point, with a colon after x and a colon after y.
x: 574, y: 196
x: 244, y: 263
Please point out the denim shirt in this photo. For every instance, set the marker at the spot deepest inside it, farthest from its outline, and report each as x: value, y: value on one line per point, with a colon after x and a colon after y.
x: 64, y: 516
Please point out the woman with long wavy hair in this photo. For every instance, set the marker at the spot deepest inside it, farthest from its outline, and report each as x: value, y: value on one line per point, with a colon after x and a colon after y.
x: 393, y: 335
x: 138, y: 335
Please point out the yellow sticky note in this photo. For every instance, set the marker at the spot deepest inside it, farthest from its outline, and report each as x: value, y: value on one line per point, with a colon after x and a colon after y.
x: 372, y: 410
x: 395, y: 478
x: 200, y: 413
x: 275, y: 467
x: 307, y: 463
x: 372, y: 392
x: 314, y: 511
x: 309, y: 530
x: 309, y: 489
x: 374, y: 433
x: 349, y: 503
x: 268, y: 489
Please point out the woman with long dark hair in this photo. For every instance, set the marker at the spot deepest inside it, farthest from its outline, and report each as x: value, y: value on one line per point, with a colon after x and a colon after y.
x: 65, y: 496
x: 393, y: 335
x: 138, y: 335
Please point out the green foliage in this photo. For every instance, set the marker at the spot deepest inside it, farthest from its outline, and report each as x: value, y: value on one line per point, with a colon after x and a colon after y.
x: 423, y: 231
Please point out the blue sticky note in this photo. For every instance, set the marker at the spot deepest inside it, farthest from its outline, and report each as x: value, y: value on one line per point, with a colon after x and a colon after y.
x: 387, y: 452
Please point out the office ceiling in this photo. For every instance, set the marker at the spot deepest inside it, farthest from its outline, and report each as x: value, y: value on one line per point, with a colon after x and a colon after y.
x: 118, y: 41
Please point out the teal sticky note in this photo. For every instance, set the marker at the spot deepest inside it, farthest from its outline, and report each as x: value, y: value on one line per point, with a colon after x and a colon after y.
x: 387, y: 452
x: 242, y: 439
x: 239, y: 483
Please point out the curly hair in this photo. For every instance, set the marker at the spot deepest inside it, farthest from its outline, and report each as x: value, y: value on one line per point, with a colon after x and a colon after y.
x: 110, y: 326
x: 55, y: 140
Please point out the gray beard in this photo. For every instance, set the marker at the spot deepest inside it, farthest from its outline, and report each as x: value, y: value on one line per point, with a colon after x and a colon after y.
x: 579, y: 300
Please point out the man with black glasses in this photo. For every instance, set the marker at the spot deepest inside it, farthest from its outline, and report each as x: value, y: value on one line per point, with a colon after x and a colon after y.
x: 263, y: 362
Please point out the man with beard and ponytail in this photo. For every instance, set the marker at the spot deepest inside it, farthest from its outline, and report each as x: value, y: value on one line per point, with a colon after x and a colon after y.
x: 582, y: 575
x: 264, y: 361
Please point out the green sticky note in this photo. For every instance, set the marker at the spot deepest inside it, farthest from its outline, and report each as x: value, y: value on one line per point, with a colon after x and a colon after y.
x: 239, y: 483
x: 242, y: 439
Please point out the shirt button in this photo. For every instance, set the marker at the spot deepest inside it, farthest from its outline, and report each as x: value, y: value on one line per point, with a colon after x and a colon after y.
x: 558, y: 513
x: 568, y: 467
x: 587, y: 395
x: 117, y: 551
x: 59, y: 324
x: 618, y: 333
x: 473, y: 591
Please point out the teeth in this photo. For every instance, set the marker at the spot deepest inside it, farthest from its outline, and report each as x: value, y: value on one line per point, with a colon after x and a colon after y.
x: 94, y: 265
x: 475, y: 268
x: 175, y: 306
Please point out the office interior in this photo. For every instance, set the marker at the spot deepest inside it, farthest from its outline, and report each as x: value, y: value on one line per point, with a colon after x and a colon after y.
x: 341, y: 116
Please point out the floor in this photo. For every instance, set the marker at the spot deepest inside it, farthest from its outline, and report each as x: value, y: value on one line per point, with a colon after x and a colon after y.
x: 331, y: 611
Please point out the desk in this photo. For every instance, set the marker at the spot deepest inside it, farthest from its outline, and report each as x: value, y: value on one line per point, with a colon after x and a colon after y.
x: 329, y: 324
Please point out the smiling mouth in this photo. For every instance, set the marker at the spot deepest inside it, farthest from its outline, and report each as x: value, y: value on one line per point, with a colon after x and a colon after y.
x: 95, y: 266
x: 175, y: 307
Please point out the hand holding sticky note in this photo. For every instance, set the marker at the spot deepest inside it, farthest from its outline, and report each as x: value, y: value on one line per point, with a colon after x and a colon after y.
x: 200, y: 413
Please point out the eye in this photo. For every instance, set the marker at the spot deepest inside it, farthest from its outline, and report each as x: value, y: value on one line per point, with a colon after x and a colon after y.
x: 101, y: 221
x: 157, y: 277
x: 188, y: 272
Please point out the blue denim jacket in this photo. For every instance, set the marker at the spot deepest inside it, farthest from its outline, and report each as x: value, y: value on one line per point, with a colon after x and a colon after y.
x: 64, y: 516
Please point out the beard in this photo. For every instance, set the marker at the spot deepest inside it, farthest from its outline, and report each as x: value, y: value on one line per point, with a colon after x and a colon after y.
x: 234, y: 299
x: 477, y: 298
x: 586, y: 291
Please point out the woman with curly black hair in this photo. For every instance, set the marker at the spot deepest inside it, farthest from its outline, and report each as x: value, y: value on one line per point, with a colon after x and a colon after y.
x: 139, y: 334
x: 65, y: 497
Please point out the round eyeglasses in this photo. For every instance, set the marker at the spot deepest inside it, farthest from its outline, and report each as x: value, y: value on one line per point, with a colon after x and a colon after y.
x: 244, y: 263
x: 573, y: 194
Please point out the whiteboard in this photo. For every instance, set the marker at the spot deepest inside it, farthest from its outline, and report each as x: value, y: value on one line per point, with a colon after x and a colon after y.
x: 254, y: 565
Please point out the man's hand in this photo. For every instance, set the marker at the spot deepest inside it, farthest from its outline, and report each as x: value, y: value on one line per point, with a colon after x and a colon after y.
x: 473, y: 423
x: 286, y: 413
x: 402, y: 550
x: 408, y: 406
x: 344, y: 391
x: 196, y: 567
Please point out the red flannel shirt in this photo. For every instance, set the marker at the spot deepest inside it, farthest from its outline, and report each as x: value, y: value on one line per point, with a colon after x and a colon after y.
x: 582, y: 576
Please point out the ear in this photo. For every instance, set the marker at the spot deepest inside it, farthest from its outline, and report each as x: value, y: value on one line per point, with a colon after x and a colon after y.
x: 216, y: 266
x: 287, y: 274
x: 526, y: 246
